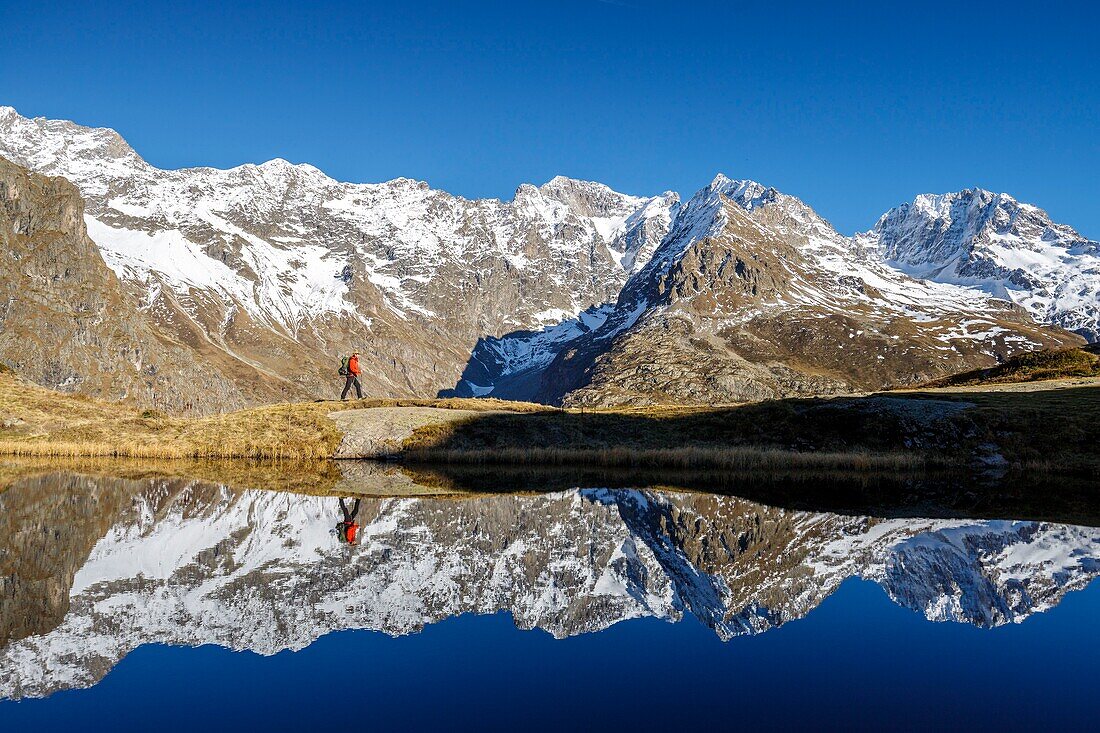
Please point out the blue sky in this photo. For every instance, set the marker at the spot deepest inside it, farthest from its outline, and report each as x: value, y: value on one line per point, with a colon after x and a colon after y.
x: 853, y: 108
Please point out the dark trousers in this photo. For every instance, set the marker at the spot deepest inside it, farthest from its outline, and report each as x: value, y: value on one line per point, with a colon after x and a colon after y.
x: 352, y: 379
x: 349, y: 516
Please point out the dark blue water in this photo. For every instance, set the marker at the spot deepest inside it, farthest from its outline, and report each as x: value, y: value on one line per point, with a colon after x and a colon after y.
x: 858, y: 661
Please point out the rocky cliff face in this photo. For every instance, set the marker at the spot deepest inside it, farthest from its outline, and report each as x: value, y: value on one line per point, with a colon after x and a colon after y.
x: 187, y: 564
x: 752, y: 295
x: 66, y: 321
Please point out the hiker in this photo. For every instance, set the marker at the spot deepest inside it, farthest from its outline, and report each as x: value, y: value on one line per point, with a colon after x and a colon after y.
x: 349, y: 369
x: 347, y: 529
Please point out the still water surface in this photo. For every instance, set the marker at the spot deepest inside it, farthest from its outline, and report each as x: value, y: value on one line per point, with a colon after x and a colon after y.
x: 183, y: 605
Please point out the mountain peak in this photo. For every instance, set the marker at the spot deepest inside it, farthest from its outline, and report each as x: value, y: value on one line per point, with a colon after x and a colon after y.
x: 277, y: 164
x: 970, y: 211
x: 280, y: 167
x: 747, y: 193
x: 991, y: 241
x: 585, y: 198
x: 85, y: 155
x: 560, y: 181
x: 972, y: 197
x: 560, y: 187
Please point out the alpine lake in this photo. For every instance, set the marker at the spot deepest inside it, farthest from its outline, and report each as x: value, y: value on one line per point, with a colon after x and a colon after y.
x: 138, y: 596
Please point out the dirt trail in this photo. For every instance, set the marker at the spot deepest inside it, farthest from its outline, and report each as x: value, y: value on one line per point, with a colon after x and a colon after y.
x: 380, y: 431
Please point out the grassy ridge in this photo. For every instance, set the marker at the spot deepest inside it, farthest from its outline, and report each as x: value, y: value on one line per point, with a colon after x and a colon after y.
x: 1032, y: 367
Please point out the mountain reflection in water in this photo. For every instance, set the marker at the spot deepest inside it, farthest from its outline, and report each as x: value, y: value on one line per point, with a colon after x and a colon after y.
x: 92, y: 568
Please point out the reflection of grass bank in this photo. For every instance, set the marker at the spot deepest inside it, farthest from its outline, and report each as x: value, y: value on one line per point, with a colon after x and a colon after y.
x: 888, y: 493
x: 689, y: 458
x: 306, y: 478
x: 298, y: 477
x: 942, y: 493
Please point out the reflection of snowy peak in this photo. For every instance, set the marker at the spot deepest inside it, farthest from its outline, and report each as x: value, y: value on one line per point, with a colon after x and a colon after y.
x: 990, y: 573
x: 193, y: 564
x: 992, y: 242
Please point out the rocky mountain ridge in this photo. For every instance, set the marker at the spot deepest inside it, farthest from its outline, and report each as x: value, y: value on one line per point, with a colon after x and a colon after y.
x: 570, y: 293
x: 283, y: 268
x: 188, y: 563
x: 992, y: 242
x: 752, y: 295
x: 67, y: 321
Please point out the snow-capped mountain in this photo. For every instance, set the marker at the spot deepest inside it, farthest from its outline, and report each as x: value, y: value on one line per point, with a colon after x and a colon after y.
x: 260, y: 276
x: 185, y: 563
x: 278, y: 263
x: 274, y: 239
x: 752, y: 295
x: 1009, y: 249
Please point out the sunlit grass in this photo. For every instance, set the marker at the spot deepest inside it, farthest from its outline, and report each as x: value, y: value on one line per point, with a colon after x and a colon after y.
x: 1032, y: 366
x: 35, y: 421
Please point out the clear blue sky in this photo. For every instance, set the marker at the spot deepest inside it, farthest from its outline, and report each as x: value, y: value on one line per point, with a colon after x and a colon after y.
x: 854, y: 109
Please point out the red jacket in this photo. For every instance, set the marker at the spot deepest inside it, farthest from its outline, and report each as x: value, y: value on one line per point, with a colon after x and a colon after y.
x: 353, y: 366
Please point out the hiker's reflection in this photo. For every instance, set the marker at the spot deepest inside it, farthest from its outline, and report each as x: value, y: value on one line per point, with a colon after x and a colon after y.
x: 347, y: 529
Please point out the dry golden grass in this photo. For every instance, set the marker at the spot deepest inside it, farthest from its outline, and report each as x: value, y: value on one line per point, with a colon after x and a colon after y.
x: 40, y: 422
x: 277, y: 432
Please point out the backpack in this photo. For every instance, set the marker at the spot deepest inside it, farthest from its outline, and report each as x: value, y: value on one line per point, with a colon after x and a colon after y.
x: 344, y: 366
x: 346, y: 532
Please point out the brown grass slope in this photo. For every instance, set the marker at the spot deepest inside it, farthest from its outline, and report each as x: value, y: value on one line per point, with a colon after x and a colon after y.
x: 38, y: 421
x: 1033, y: 366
